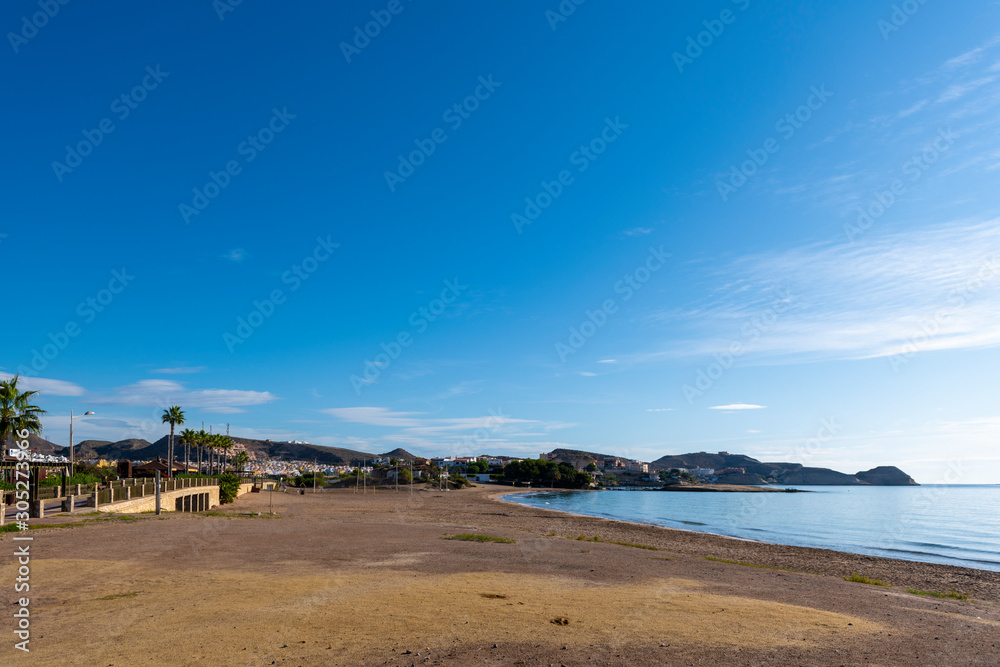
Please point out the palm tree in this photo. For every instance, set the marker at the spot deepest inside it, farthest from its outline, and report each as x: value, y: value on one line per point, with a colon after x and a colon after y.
x: 173, y: 416
x: 201, y: 440
x: 208, y: 443
x: 216, y: 446
x: 188, y: 438
x: 240, y: 460
x: 225, y: 444
x: 17, y: 414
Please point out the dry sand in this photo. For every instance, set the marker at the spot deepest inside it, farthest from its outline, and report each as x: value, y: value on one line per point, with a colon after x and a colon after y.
x: 345, y: 579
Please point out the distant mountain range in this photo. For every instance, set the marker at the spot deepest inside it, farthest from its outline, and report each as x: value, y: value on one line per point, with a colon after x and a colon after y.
x: 756, y: 472
x: 137, y: 449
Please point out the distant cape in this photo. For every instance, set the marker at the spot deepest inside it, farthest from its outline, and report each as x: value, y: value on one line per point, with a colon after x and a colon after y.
x: 754, y: 471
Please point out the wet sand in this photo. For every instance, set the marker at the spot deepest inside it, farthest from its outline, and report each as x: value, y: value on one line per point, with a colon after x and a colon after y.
x: 349, y: 579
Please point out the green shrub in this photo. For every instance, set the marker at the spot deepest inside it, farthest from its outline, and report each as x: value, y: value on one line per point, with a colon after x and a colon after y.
x: 229, y: 487
x: 861, y: 579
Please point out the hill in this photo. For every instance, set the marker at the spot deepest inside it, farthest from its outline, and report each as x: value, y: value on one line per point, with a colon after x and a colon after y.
x: 137, y: 449
x: 758, y: 472
x: 754, y: 471
x: 289, y: 451
x: 36, y: 444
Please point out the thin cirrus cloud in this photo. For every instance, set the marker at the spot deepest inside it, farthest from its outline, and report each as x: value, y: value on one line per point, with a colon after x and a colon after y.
x: 638, y: 231
x: 415, y: 424
x: 151, y: 393
x: 180, y: 370
x: 46, y: 386
x: 895, y: 293
x: 236, y: 255
x: 738, y: 406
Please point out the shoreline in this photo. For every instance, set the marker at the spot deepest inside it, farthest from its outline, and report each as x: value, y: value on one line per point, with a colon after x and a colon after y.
x: 339, y: 578
x: 690, y: 531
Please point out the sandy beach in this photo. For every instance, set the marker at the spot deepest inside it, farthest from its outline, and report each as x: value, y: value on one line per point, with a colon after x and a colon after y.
x: 339, y: 578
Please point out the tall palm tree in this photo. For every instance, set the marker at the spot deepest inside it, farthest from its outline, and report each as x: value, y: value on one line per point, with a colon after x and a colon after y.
x: 201, y: 440
x: 173, y: 416
x: 213, y: 452
x: 225, y: 445
x: 188, y: 438
x: 16, y: 412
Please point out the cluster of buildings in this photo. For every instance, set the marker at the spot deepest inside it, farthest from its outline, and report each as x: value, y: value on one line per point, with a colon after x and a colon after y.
x: 708, y: 474
x: 35, y: 457
x: 610, y: 464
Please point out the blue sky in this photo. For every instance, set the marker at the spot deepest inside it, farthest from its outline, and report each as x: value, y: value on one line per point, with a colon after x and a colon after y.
x: 763, y: 228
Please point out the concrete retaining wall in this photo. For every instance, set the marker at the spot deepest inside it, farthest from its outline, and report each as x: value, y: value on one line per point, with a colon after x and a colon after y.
x: 168, y: 500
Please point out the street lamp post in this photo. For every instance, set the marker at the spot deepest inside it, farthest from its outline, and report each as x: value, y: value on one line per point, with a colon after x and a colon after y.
x: 71, y: 458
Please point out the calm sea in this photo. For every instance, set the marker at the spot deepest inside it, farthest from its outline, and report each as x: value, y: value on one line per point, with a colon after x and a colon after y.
x: 950, y: 524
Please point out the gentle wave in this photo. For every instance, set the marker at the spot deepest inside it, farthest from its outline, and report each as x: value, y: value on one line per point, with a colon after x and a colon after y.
x: 960, y: 527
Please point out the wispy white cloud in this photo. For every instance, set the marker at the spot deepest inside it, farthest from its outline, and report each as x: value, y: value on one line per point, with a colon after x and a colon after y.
x: 46, y: 386
x: 416, y: 426
x: 969, y: 57
x: 912, y: 110
x: 738, y: 406
x: 854, y: 301
x: 180, y: 370
x: 960, y: 90
x: 608, y: 361
x: 375, y: 416
x: 638, y: 231
x: 236, y: 255
x: 661, y: 410
x: 157, y: 393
